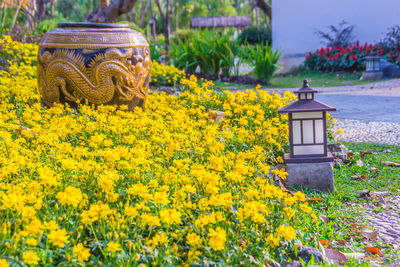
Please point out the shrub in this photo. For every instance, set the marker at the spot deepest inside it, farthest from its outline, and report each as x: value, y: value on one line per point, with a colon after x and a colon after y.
x: 165, y: 75
x: 212, y: 51
x: 157, y: 50
x: 161, y: 186
x: 341, y: 35
x: 262, y: 59
x: 338, y: 58
x: 255, y: 35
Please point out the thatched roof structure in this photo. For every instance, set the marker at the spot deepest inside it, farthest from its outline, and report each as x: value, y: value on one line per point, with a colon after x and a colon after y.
x: 222, y: 21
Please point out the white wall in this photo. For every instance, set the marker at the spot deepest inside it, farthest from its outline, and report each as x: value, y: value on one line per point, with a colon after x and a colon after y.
x: 294, y: 22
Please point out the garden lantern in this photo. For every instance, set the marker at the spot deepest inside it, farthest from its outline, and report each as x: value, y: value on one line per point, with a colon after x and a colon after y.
x: 372, y: 63
x: 373, y: 68
x: 308, y: 141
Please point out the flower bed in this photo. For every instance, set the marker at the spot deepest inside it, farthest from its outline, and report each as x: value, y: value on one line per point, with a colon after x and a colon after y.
x: 162, y: 186
x: 350, y: 58
x: 165, y: 75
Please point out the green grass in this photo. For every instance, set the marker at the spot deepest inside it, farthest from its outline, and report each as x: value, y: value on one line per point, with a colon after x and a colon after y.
x: 316, y: 79
x: 344, y: 207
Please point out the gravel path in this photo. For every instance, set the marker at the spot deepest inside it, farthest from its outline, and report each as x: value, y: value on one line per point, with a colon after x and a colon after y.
x: 364, y: 131
x: 387, y: 222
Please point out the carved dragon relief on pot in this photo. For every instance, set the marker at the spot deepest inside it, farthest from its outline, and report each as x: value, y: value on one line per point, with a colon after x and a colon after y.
x: 114, y: 73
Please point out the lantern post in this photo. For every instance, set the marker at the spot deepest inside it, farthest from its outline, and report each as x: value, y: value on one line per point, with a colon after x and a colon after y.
x: 308, y: 162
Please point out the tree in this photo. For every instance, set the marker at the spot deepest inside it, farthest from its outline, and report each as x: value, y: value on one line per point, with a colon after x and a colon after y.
x: 107, y: 12
x: 266, y: 8
x: 166, y: 18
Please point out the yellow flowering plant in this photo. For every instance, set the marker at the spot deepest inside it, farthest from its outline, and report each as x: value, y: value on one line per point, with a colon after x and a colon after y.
x: 162, y: 186
x: 162, y: 74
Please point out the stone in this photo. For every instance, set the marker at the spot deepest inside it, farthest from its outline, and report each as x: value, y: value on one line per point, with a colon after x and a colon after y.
x: 315, y: 176
x: 390, y: 70
x: 305, y: 253
x: 338, y: 150
x: 372, y: 76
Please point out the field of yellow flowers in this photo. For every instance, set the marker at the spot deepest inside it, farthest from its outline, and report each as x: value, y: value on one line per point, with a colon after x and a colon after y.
x: 166, y: 185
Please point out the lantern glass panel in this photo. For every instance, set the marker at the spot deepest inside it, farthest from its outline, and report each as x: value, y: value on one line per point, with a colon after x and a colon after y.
x: 309, y: 95
x: 319, y: 131
x: 307, y: 115
x: 296, y: 132
x: 308, y: 132
x: 377, y: 64
x: 308, y: 150
x: 369, y: 66
x: 302, y: 96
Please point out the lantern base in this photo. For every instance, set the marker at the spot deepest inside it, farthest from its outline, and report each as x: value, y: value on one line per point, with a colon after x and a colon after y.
x: 328, y: 158
x: 372, y: 75
x: 315, y: 176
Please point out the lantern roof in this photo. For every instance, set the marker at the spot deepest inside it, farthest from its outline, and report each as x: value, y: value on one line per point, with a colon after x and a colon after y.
x: 306, y: 105
x: 305, y: 89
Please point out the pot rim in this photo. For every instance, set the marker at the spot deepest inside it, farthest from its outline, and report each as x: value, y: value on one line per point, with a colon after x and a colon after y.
x: 91, y: 25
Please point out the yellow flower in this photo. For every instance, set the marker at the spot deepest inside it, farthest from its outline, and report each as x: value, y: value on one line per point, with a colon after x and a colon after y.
x: 30, y: 257
x: 71, y: 195
x: 3, y: 263
x: 170, y: 216
x: 287, y: 232
x: 217, y: 238
x: 193, y: 240
x: 31, y: 242
x: 58, y: 238
x: 81, y: 252
x: 272, y: 241
x: 340, y: 131
x: 113, y: 246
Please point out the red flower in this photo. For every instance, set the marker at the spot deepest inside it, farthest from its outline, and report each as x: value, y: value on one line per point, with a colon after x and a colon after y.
x: 390, y: 54
x: 354, y: 57
x: 348, y: 50
x: 163, y: 53
x: 309, y: 54
x: 358, y: 43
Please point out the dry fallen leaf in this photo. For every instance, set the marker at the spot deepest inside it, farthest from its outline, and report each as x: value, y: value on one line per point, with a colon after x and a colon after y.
x: 374, y: 250
x: 324, y: 242
x: 335, y: 256
x: 350, y: 155
x: 363, y: 193
x: 359, y: 163
x: 368, y: 233
x: 324, y: 218
x: 391, y: 163
x: 373, y: 169
x: 216, y: 115
x: 362, y: 154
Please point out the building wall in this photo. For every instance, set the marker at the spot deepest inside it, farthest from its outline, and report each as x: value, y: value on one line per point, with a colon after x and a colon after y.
x: 294, y: 22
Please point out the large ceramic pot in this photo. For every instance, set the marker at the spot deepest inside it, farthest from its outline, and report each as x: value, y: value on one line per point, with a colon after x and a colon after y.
x: 93, y: 62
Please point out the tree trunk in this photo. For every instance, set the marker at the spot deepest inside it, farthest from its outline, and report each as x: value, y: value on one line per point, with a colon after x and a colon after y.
x: 132, y: 15
x: 261, y: 4
x: 153, y: 25
x: 166, y: 21
x: 143, y: 12
x: 52, y: 8
x: 41, y: 5
x: 109, y: 13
